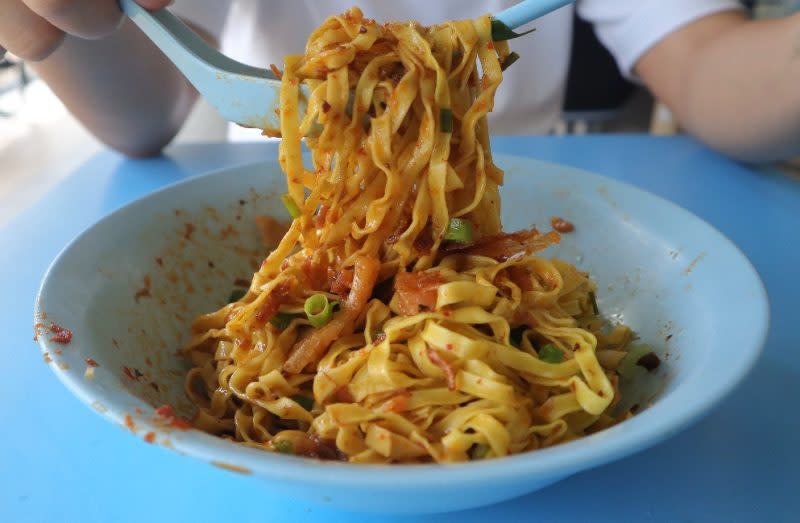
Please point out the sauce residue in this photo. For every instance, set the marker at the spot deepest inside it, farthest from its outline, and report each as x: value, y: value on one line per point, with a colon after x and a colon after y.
x: 188, y: 230
x: 232, y: 468
x: 60, y: 334
x: 165, y: 415
x: 132, y: 373
x: 144, y: 292
x: 561, y: 225
x: 694, y: 263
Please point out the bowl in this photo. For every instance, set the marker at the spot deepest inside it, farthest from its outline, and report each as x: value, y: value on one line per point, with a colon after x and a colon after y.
x: 128, y: 287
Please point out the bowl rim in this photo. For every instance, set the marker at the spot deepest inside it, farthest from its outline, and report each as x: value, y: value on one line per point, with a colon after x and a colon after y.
x: 644, y: 430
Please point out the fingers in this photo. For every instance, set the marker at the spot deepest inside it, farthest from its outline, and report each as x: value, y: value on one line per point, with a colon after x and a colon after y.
x: 83, y: 18
x: 32, y: 29
x: 153, y: 4
x: 26, y: 34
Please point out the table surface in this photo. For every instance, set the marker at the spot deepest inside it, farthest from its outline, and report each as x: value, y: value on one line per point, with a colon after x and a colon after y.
x: 59, y: 461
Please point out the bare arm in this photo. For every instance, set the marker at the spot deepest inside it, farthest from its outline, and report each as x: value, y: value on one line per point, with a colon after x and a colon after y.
x: 107, y: 73
x: 121, y: 88
x: 733, y: 83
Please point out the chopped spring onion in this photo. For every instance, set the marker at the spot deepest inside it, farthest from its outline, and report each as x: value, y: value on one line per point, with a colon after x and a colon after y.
x: 459, y: 230
x: 550, y: 354
x: 283, y: 446
x: 640, y: 358
x: 510, y: 59
x: 318, y: 310
x: 304, y: 401
x: 501, y: 31
x: 446, y: 120
x: 281, y: 320
x: 236, y: 295
x: 291, y: 206
x: 478, y: 451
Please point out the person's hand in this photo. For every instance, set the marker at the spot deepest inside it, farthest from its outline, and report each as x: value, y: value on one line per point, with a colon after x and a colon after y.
x: 32, y: 29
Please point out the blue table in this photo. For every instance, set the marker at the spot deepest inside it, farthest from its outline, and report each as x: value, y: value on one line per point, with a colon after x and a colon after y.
x: 59, y: 461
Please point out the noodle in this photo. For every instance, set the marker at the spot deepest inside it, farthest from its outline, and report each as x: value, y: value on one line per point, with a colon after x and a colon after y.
x: 426, y: 349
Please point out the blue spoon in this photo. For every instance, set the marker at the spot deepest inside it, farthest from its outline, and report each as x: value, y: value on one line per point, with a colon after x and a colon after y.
x: 249, y: 95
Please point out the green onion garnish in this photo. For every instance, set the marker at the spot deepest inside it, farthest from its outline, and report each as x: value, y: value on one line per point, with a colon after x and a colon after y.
x: 459, y: 230
x: 283, y: 446
x: 304, y: 401
x: 510, y: 59
x: 281, y: 320
x: 318, y: 310
x: 478, y: 451
x: 446, y: 120
x: 291, y: 206
x: 550, y: 354
x: 236, y: 295
x: 501, y: 31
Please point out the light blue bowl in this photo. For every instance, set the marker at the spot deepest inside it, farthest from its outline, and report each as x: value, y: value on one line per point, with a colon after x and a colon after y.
x: 679, y: 283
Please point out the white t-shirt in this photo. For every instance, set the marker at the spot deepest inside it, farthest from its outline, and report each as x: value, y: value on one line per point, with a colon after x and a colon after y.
x: 260, y: 32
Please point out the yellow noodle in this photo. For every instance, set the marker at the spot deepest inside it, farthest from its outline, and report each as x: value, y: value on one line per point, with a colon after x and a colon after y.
x: 445, y: 382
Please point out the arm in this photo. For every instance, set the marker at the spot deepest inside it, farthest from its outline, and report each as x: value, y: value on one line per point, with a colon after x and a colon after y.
x: 121, y: 88
x: 732, y: 82
x: 107, y: 73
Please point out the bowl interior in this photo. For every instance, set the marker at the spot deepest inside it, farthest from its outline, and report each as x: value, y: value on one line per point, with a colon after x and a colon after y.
x: 130, y: 286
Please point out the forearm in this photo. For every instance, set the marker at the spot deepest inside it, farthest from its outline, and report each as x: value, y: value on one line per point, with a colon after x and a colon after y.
x: 739, y: 88
x: 121, y: 88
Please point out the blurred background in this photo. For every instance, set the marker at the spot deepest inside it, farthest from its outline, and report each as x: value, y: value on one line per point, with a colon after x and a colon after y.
x: 38, y: 135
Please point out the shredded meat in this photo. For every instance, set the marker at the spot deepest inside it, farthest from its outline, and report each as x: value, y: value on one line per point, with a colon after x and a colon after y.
x: 342, y: 282
x: 311, y: 346
x: 502, y: 246
x: 442, y: 363
x: 415, y: 290
x: 269, y: 307
x: 271, y: 230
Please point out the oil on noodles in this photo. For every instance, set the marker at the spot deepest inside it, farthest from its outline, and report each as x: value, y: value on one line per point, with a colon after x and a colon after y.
x: 395, y: 322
